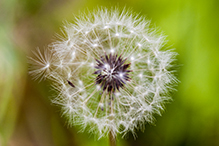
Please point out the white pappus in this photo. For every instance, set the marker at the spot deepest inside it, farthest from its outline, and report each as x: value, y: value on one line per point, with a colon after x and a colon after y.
x: 111, y: 71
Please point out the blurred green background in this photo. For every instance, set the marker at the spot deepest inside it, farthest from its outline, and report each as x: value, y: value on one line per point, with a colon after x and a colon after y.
x: 27, y: 117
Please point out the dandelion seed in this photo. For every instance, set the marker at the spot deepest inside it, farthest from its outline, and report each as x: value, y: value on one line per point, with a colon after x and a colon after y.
x: 41, y: 64
x: 70, y: 83
x: 122, y: 76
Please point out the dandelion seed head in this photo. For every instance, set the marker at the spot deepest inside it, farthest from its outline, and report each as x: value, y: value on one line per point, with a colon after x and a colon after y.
x: 111, y: 73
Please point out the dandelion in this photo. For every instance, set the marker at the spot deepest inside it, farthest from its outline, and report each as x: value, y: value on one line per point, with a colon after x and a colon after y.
x: 111, y: 72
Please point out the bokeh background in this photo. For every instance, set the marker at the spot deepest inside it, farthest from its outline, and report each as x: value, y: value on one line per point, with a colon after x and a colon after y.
x: 27, y: 117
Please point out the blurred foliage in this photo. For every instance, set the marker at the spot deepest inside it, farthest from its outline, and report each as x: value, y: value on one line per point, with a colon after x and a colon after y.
x: 26, y: 115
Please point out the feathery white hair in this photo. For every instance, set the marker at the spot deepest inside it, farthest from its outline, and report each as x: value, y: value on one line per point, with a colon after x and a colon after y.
x: 73, y: 62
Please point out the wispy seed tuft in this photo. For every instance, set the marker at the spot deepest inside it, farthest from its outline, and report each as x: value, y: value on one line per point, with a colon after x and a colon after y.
x: 111, y: 72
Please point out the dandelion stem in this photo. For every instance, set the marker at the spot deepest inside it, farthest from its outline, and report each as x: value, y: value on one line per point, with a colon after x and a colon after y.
x: 112, y: 139
x: 112, y: 136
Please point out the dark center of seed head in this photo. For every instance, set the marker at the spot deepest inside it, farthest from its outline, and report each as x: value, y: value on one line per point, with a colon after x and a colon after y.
x: 112, y: 72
